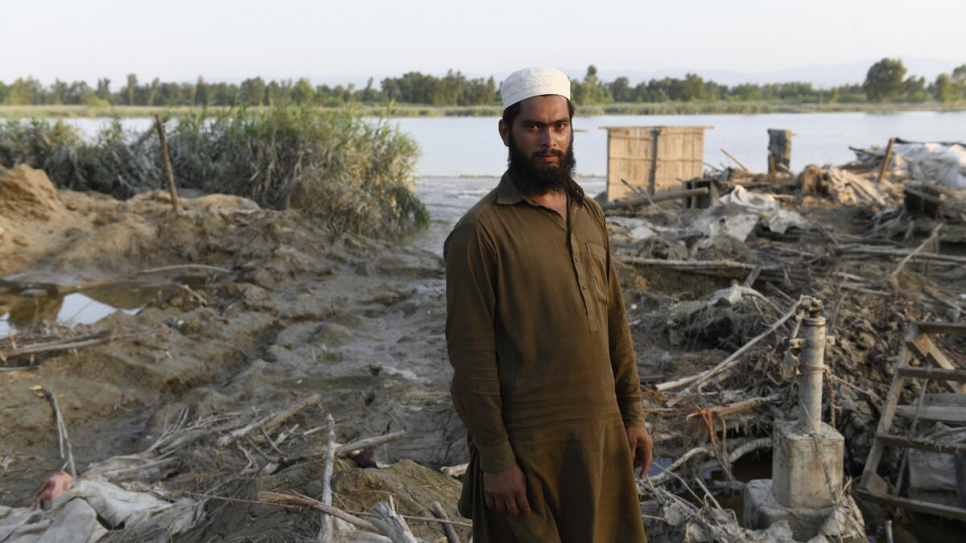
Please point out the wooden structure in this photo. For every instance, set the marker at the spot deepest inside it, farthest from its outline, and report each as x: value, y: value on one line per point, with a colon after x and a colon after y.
x: 779, y: 152
x: 933, y: 366
x: 652, y: 158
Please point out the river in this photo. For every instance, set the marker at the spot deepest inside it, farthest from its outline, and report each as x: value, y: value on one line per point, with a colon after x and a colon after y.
x: 471, y: 146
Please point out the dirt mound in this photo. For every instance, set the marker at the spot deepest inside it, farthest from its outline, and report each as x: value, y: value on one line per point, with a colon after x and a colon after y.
x: 245, y: 310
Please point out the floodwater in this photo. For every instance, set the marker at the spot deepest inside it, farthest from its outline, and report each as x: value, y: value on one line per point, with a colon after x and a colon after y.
x: 471, y: 146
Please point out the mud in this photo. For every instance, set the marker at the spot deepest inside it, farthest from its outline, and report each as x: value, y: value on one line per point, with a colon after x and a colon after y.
x: 296, y: 312
x: 253, y: 310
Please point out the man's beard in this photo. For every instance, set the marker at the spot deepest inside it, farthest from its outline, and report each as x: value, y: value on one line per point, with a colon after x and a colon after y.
x: 534, y: 180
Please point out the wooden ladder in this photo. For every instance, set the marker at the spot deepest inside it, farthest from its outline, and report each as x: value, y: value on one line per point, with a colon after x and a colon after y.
x: 917, y: 346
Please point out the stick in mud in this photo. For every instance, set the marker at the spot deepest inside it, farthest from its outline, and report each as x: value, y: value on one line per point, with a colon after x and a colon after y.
x: 325, y: 531
x: 62, y: 437
x: 167, y: 165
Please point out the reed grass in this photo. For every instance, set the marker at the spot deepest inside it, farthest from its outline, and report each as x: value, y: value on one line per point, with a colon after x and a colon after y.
x: 346, y: 172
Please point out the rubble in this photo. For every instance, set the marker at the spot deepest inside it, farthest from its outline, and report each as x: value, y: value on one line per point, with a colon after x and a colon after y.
x: 711, y: 294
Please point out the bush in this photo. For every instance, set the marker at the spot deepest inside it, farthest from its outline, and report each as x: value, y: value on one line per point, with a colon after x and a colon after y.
x: 343, y: 171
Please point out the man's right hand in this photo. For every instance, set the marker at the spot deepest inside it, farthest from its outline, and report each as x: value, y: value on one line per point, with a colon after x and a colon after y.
x: 506, y: 491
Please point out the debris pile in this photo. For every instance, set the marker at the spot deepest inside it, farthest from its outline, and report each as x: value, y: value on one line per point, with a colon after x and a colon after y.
x: 206, y: 400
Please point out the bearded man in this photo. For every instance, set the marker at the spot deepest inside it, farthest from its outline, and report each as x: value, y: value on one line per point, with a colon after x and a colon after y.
x: 544, y: 375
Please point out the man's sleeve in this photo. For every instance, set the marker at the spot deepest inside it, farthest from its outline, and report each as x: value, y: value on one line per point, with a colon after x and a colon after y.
x: 626, y: 378
x: 470, y: 313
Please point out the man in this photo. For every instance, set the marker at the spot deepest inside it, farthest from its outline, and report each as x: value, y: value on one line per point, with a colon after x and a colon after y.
x: 544, y: 372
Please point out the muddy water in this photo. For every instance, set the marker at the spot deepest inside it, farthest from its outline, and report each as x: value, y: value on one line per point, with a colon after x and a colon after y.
x: 22, y: 309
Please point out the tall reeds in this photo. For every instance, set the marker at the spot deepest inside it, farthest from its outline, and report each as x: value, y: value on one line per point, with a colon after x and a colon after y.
x: 346, y: 172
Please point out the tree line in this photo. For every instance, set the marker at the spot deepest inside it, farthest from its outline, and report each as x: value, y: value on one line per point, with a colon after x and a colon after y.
x: 886, y: 81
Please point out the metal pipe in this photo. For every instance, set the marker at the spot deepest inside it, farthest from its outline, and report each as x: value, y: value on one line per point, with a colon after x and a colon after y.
x: 812, y: 369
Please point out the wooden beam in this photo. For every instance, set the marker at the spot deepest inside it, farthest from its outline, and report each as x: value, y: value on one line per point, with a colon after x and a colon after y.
x: 914, y: 505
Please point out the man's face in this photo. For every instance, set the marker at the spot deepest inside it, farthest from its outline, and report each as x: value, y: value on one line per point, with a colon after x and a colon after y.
x: 541, y: 144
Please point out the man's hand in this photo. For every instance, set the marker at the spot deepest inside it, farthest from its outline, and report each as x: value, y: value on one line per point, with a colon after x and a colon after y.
x: 642, y: 448
x: 506, y: 491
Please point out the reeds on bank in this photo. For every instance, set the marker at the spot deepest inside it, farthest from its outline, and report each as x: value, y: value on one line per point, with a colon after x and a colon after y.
x: 350, y: 173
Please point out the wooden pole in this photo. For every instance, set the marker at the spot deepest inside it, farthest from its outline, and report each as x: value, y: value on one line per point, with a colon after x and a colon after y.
x: 167, y: 165
x: 885, y: 161
x: 733, y: 157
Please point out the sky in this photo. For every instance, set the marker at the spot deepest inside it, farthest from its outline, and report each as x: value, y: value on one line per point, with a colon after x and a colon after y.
x: 348, y: 41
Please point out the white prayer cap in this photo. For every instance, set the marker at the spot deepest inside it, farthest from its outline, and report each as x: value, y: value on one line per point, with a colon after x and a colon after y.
x: 529, y: 82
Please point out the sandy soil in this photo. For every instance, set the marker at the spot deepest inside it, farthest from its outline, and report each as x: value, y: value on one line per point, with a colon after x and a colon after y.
x: 296, y: 312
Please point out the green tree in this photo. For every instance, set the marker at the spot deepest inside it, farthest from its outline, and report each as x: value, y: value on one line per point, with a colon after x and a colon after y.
x: 945, y: 91
x: 693, y: 88
x: 303, y: 92
x: 915, y: 89
x: 58, y: 92
x: 591, y: 89
x: 621, y: 90
x: 153, y: 91
x: 24, y: 92
x: 884, y: 81
x: 131, y: 89
x: 104, y: 89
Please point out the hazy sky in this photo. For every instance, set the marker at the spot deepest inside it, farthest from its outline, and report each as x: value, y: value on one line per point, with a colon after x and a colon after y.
x: 349, y: 40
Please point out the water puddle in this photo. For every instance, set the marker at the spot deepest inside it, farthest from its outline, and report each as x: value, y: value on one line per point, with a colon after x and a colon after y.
x: 31, y: 306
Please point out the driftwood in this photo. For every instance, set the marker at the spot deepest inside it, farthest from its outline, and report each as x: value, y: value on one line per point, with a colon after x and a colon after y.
x: 697, y: 380
x: 267, y: 422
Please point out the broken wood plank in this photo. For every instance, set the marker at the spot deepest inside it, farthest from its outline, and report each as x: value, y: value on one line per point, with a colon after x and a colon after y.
x: 914, y: 505
x: 933, y: 413
x: 922, y: 444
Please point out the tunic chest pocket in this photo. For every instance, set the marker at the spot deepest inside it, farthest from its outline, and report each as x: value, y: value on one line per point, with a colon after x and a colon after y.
x: 598, y: 270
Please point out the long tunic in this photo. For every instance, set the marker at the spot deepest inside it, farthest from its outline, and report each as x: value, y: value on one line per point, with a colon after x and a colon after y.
x: 544, y: 369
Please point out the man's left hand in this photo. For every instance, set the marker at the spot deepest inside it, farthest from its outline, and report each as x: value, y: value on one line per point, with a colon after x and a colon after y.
x: 642, y: 448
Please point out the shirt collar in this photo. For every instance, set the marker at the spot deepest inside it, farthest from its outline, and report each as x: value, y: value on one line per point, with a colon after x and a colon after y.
x: 507, y: 193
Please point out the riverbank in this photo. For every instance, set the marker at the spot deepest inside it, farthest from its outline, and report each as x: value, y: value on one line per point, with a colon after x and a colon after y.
x: 403, y: 110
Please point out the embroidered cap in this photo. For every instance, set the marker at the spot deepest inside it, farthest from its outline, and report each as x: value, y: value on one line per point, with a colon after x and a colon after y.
x: 529, y: 82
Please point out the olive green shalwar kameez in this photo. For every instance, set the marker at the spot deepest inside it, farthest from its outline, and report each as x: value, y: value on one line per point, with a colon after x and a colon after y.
x: 544, y: 370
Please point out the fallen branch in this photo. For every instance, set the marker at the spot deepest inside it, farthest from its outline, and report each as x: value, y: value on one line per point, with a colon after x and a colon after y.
x: 344, y: 450
x: 293, y: 498
x: 57, y: 345
x: 267, y: 422
x: 700, y: 378
x: 448, y: 530
x: 928, y: 242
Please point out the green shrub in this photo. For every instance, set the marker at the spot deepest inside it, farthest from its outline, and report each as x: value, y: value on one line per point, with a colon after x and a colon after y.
x: 346, y: 172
